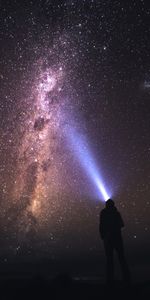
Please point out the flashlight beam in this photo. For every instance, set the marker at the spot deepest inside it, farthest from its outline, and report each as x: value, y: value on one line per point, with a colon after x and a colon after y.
x: 82, y: 152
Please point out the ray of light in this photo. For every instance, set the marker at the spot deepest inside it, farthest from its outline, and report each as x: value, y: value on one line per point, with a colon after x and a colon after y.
x: 81, y: 150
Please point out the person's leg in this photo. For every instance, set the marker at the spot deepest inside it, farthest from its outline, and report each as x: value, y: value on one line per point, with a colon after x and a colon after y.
x: 122, y: 260
x: 109, y: 263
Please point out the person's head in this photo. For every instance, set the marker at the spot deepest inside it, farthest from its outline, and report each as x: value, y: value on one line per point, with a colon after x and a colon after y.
x: 109, y: 203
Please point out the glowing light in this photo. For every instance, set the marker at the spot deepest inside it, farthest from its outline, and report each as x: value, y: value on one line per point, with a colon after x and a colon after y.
x: 82, y: 152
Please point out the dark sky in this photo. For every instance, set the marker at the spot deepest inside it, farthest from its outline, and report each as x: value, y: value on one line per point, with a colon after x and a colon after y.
x: 84, y: 64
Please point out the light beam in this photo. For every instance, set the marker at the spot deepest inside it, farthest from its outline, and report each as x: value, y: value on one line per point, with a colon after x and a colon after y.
x: 80, y: 147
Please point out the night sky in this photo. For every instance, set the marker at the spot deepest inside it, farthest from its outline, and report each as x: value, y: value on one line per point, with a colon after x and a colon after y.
x: 83, y: 65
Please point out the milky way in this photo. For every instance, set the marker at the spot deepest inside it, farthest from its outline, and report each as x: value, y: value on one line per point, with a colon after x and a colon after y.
x: 39, y: 157
x: 38, y: 172
x: 42, y: 180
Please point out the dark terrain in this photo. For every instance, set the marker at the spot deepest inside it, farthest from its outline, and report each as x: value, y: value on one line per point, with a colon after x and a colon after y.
x: 22, y: 282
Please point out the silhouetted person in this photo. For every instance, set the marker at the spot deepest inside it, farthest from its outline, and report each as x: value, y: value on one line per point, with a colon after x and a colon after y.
x: 110, y: 231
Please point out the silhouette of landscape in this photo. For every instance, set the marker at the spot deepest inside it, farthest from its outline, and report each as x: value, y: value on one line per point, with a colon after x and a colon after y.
x: 48, y: 280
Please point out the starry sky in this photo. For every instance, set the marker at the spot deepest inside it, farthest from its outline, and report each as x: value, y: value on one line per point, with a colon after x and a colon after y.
x: 84, y: 64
